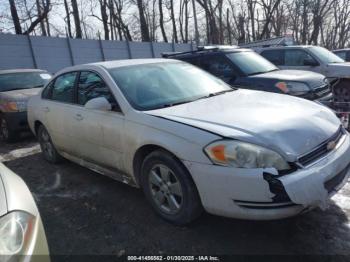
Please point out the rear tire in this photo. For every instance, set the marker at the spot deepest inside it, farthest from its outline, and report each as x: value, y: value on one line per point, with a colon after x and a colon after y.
x: 6, y: 134
x: 47, y: 147
x: 169, y: 188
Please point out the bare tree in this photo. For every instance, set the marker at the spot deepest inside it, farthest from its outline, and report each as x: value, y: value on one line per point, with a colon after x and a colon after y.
x: 15, y: 18
x: 76, y: 16
x: 143, y: 23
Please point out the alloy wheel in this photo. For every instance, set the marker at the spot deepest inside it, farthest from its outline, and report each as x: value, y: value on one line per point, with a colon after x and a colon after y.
x: 166, y: 189
x: 46, y: 145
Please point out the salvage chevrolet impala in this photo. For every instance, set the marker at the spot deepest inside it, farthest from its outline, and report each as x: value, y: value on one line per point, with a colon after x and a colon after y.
x: 190, y: 141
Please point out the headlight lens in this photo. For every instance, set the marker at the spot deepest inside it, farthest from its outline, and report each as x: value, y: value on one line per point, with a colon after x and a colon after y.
x: 244, y: 155
x: 15, y: 232
x: 15, y: 106
x: 293, y: 88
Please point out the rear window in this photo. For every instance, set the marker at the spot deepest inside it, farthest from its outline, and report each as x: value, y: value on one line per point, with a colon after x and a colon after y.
x: 15, y: 81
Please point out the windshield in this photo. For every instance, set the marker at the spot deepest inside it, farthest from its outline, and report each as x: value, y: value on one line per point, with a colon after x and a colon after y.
x: 325, y: 55
x: 251, y: 63
x: 158, y: 85
x: 14, y: 81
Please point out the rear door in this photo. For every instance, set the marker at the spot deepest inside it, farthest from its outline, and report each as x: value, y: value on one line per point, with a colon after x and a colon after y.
x: 57, y: 106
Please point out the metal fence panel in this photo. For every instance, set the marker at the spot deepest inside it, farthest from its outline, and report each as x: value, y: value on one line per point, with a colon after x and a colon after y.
x: 160, y: 48
x: 53, y: 54
x: 115, y: 50
x: 86, y: 51
x: 15, y: 52
x: 140, y: 49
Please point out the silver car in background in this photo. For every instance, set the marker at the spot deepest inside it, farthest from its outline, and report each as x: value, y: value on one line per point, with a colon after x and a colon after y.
x: 190, y: 141
x: 22, y: 235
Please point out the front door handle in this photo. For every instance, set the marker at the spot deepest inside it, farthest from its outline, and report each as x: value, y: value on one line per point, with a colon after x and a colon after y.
x: 79, y: 117
x: 46, y: 109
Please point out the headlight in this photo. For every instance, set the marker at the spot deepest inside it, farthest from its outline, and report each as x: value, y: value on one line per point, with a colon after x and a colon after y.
x: 15, y: 232
x: 244, y: 155
x: 15, y: 106
x: 293, y: 88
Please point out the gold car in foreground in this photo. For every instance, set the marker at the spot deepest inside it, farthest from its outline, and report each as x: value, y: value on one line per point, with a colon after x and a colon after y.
x: 22, y: 235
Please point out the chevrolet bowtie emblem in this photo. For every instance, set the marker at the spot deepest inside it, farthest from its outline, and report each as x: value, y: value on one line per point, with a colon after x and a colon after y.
x: 331, y: 145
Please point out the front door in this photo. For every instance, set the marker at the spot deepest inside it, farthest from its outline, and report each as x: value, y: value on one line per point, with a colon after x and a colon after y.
x: 97, y: 133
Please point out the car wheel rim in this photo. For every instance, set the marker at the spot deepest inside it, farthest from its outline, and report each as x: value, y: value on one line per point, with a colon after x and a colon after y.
x: 46, y: 144
x: 166, y: 189
x: 4, y: 132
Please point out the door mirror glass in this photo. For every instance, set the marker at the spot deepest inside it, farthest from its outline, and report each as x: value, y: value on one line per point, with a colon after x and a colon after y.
x: 309, y: 61
x: 99, y: 103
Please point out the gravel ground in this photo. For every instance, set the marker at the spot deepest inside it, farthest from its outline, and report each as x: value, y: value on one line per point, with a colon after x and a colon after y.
x: 86, y: 213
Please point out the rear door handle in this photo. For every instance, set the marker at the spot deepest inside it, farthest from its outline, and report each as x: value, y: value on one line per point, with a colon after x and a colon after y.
x: 46, y: 109
x: 79, y: 117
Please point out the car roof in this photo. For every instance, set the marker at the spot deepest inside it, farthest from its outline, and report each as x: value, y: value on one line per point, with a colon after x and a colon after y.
x: 13, y: 71
x: 338, y: 50
x: 209, y: 52
x: 286, y: 47
x: 129, y: 62
x: 115, y: 64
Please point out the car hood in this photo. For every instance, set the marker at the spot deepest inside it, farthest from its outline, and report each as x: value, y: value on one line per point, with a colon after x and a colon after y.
x: 310, y: 78
x: 20, y: 94
x: 18, y: 196
x: 289, y: 125
x: 339, y: 70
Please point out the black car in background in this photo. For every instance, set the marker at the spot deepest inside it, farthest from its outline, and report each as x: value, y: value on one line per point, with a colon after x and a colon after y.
x: 16, y: 87
x: 243, y: 68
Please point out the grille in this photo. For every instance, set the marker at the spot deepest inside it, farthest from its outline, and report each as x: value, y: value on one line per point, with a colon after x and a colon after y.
x: 322, y: 91
x: 321, y: 150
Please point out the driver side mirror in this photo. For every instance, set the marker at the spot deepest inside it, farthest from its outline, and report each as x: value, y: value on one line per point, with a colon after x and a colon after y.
x: 310, y: 62
x: 99, y: 103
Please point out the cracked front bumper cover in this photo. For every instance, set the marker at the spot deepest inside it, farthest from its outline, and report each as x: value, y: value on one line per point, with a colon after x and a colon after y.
x: 307, y: 186
x: 248, y: 194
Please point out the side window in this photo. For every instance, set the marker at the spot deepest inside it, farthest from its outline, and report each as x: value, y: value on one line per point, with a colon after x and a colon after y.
x: 347, y: 59
x: 274, y: 56
x: 341, y: 54
x: 63, y: 88
x: 218, y: 66
x: 296, y: 57
x: 90, y: 86
x: 46, y: 92
x: 192, y: 60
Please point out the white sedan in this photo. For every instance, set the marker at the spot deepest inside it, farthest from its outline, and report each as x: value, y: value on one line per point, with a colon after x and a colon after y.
x: 190, y: 141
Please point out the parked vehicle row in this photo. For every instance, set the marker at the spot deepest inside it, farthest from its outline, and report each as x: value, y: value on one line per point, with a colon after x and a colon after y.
x: 191, y: 141
x: 243, y: 68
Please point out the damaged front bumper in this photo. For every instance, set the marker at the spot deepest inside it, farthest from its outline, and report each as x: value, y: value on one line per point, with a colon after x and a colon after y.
x: 263, y: 194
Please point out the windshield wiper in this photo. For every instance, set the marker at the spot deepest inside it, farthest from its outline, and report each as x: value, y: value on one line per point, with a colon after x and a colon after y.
x: 177, y: 103
x: 38, y: 86
x: 202, y: 97
x: 257, y: 73
x: 221, y: 92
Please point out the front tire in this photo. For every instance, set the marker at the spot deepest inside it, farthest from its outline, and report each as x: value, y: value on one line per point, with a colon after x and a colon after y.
x: 47, y: 147
x: 6, y: 134
x: 169, y: 188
